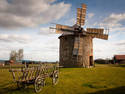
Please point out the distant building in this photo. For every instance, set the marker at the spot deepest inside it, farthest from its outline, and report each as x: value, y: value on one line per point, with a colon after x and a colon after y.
x: 7, y: 62
x: 120, y: 59
x: 2, y: 63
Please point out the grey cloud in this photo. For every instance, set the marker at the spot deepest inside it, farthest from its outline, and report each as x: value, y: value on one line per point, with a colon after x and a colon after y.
x: 46, y: 31
x: 113, y: 22
x: 30, y: 13
x: 120, y: 43
x: 15, y: 38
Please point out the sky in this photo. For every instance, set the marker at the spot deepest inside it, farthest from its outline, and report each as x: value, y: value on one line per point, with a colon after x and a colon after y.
x: 24, y: 24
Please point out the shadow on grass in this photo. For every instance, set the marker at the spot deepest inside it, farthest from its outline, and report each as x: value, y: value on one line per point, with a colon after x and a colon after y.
x: 11, y: 88
x: 118, y: 90
x: 117, y: 65
x: 121, y: 65
x: 90, y: 85
x: 15, y: 90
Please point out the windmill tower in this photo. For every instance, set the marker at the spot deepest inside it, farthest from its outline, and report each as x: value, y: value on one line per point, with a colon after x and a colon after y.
x: 76, y: 44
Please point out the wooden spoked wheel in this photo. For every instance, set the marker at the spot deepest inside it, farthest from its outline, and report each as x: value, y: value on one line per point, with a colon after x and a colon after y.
x: 21, y: 85
x: 55, y: 78
x: 39, y: 83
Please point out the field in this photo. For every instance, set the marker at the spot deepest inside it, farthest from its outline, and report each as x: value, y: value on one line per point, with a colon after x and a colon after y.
x: 103, y: 79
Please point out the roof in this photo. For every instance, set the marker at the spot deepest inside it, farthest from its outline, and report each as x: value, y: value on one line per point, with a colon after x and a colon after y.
x: 120, y: 57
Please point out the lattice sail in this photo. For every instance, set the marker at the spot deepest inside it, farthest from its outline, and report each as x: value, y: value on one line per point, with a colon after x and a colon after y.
x: 95, y: 30
x: 81, y: 13
x: 97, y: 33
x: 63, y: 28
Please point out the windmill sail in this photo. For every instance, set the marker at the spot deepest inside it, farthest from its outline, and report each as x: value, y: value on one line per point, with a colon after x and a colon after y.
x: 95, y: 30
x: 63, y: 28
x: 97, y: 33
x: 81, y: 13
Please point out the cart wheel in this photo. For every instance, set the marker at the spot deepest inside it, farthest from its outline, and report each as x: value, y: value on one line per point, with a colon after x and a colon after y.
x: 55, y: 78
x: 21, y: 85
x: 39, y: 83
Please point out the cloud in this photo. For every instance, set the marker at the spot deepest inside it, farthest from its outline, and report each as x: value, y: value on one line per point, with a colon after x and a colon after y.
x: 15, y: 38
x: 72, y: 21
x: 90, y: 15
x: 116, y: 41
x: 115, y: 18
x: 46, y: 31
x: 40, y: 48
x: 113, y: 21
x: 107, y: 49
x: 45, y: 49
x: 120, y: 43
x: 30, y: 13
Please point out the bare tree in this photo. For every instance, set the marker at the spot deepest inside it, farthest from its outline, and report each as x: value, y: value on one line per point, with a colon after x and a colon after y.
x: 13, y: 55
x: 20, y: 54
x: 16, y: 56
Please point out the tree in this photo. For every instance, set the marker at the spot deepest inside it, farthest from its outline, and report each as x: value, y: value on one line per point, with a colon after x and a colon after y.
x: 16, y: 56
x: 20, y: 54
x: 13, y: 56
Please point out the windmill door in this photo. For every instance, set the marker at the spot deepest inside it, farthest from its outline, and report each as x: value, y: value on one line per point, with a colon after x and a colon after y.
x: 91, y: 60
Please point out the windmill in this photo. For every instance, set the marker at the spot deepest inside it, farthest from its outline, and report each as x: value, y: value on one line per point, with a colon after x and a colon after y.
x: 76, y: 47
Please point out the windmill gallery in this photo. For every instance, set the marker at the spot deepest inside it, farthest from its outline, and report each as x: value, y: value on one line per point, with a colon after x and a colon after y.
x: 76, y: 44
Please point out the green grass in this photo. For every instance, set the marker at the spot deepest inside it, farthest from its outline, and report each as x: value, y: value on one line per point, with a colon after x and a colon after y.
x: 103, y: 79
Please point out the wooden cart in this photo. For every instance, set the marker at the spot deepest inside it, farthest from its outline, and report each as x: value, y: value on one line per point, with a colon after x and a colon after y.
x: 35, y: 75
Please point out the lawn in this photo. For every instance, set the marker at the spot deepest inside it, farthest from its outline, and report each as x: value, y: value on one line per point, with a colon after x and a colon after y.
x: 103, y: 79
